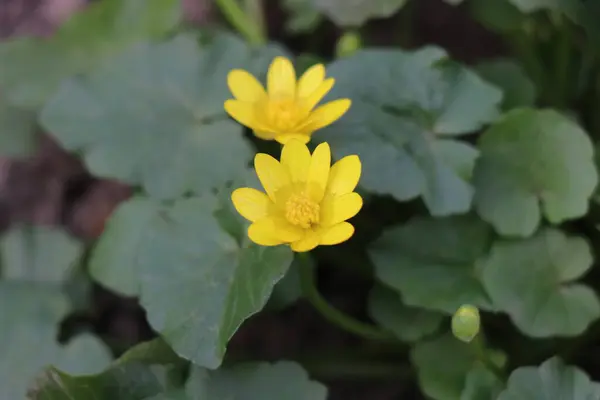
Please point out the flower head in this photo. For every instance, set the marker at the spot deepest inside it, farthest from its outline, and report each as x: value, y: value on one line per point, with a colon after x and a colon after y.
x: 286, y: 109
x: 307, y: 202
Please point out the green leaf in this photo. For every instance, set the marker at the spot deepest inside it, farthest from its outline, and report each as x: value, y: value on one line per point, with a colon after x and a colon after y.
x: 553, y: 380
x: 303, y: 16
x: 443, y: 367
x: 198, y: 285
x: 264, y: 381
x: 532, y: 281
x: 498, y: 16
x: 407, y: 323
x: 356, y: 13
x: 145, y: 370
x: 40, y: 253
x: 398, y: 115
x: 18, y: 130
x: 113, y: 260
x: 506, y: 74
x: 167, y: 100
x: 29, y: 316
x: 134, y: 381
x: 583, y: 12
x: 288, y: 290
x: 197, y: 282
x: 432, y: 262
x: 481, y: 384
x: 31, y: 69
x: 527, y: 167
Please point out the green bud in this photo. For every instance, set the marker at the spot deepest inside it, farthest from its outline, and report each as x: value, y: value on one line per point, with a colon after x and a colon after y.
x: 348, y: 44
x: 466, y: 323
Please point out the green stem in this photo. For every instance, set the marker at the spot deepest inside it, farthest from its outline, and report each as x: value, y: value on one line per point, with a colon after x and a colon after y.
x: 248, y: 27
x: 332, y: 314
x: 479, y: 349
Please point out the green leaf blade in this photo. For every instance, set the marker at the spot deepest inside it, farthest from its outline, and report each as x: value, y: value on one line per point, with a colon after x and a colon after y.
x: 526, y: 169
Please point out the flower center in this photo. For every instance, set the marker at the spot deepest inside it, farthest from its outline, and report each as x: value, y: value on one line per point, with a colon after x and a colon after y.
x: 282, y: 113
x: 302, y: 211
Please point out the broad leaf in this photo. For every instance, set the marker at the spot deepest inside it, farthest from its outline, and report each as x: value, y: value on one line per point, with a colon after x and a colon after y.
x: 357, y: 12
x: 443, y: 365
x: 145, y: 370
x: 518, y: 89
x: 499, y: 16
x: 407, y: 323
x: 197, y: 284
x: 39, y: 253
x: 532, y: 281
x: 154, y: 116
x: 31, y: 69
x: 527, y: 168
x: 29, y: 316
x: 481, y: 384
x: 303, y: 15
x: 113, y: 260
x: 553, y: 380
x: 18, y: 130
x: 583, y: 12
x: 132, y: 381
x: 407, y: 257
x: 281, y: 380
x: 399, y: 114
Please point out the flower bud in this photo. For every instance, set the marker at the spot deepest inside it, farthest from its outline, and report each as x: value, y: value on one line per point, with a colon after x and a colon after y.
x: 466, y: 323
x: 348, y: 44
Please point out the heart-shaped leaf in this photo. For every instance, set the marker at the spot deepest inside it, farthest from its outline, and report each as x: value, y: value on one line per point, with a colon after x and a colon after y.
x: 532, y: 281
x: 526, y: 169
x: 39, y: 253
x: 398, y: 116
x: 31, y: 69
x: 553, y: 380
x: 30, y: 314
x: 154, y: 115
x: 407, y: 257
x: 407, y: 323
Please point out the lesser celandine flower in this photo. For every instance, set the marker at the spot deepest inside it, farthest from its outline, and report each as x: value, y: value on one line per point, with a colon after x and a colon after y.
x: 306, y: 203
x: 286, y: 109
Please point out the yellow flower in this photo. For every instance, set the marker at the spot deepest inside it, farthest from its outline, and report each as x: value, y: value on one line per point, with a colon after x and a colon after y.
x: 286, y: 109
x: 306, y: 202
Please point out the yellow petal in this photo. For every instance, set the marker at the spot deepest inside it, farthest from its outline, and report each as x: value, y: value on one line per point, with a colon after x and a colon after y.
x: 344, y: 175
x: 272, y: 175
x: 336, y: 209
x: 317, y: 95
x: 241, y: 112
x: 318, y: 172
x: 336, y: 234
x: 263, y: 234
x: 244, y: 86
x: 286, y: 137
x: 279, y: 229
x: 311, y: 80
x: 307, y: 243
x: 295, y: 157
x: 281, y: 78
x: 250, y: 203
x: 264, y: 135
x: 328, y: 113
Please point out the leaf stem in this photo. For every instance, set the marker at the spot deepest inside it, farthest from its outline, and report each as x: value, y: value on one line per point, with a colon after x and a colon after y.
x: 481, y: 354
x: 249, y: 27
x: 332, y: 314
